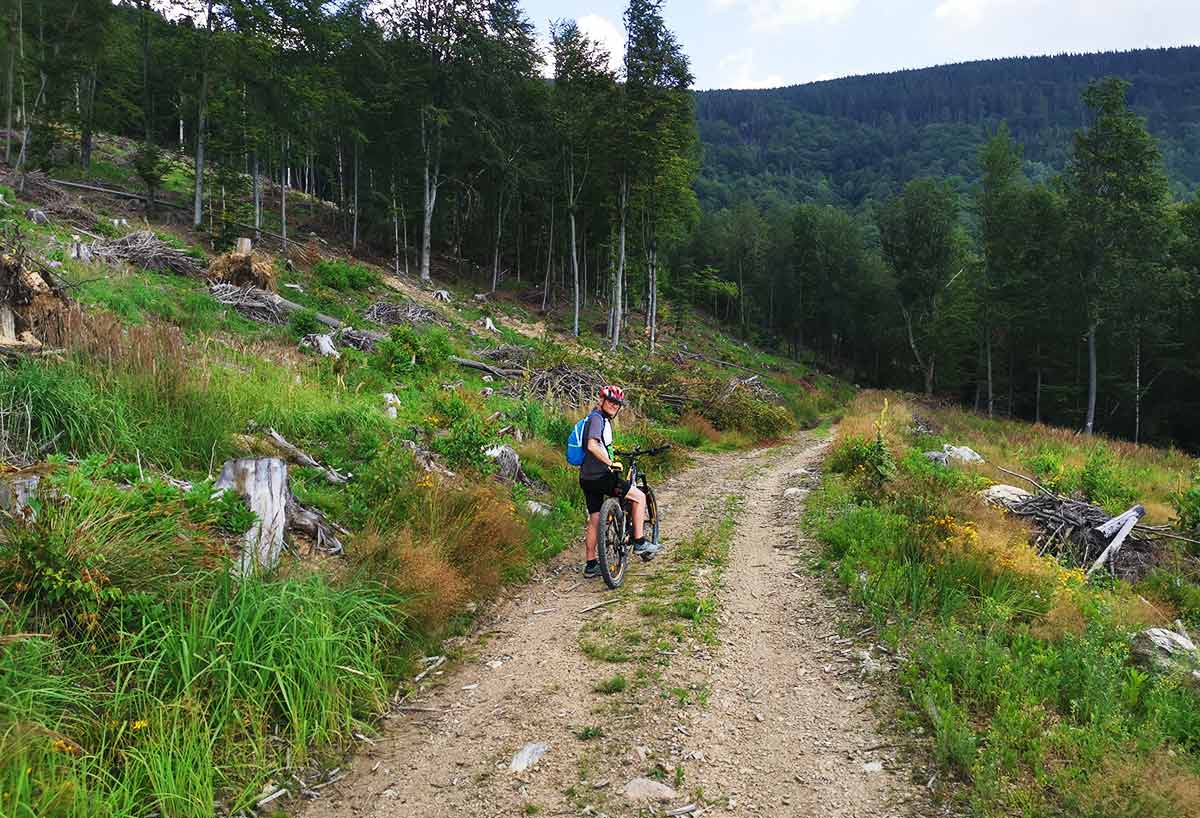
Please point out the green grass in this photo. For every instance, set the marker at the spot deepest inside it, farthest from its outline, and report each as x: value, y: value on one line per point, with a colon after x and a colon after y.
x: 615, y: 684
x: 163, y: 685
x: 1018, y: 669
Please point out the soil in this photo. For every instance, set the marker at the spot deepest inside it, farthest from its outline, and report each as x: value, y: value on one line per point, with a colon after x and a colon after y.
x: 760, y: 711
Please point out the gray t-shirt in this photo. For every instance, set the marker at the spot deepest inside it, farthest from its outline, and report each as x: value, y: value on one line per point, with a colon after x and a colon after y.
x: 597, y: 428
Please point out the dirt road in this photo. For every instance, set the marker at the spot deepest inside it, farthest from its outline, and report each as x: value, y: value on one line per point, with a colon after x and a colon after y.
x: 718, y: 674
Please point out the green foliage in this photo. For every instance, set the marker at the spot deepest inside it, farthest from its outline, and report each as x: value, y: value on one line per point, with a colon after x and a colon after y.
x: 344, y: 275
x: 304, y: 322
x: 1103, y: 481
x: 411, y: 352
x: 1186, y: 502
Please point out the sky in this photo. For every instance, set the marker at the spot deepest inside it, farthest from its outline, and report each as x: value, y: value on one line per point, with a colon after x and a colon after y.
x: 768, y: 43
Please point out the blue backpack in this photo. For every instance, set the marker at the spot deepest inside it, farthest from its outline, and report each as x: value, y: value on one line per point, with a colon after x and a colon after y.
x: 576, y: 445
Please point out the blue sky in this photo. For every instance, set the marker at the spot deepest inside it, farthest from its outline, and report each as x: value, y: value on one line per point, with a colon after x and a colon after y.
x: 765, y: 43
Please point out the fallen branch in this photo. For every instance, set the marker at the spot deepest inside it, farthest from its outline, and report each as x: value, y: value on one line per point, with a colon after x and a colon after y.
x: 1122, y: 525
x: 438, y: 662
x: 315, y: 525
x: 9, y: 638
x: 491, y: 370
x: 600, y: 604
x: 302, y: 457
x: 1035, y: 483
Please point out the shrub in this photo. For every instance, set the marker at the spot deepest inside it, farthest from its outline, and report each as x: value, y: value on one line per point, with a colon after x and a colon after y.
x: 1103, y: 483
x: 699, y: 425
x: 304, y: 322
x: 739, y: 409
x: 407, y: 351
x: 342, y: 275
x: 1186, y: 503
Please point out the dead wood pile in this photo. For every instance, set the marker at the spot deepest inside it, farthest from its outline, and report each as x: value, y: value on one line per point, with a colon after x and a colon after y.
x: 32, y: 301
x: 144, y: 249
x: 756, y: 387
x: 241, y: 269
x: 52, y: 198
x: 252, y: 302
x: 389, y: 313
x: 1082, y: 534
x: 508, y: 355
x: 561, y: 383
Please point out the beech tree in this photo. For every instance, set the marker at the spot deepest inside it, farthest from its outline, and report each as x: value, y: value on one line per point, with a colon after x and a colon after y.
x: 1117, y: 197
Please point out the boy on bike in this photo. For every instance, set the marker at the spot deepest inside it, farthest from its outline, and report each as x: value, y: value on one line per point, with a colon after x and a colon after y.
x: 600, y: 477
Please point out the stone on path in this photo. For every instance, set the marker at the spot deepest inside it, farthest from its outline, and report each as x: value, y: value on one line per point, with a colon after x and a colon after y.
x: 645, y: 789
x: 527, y: 756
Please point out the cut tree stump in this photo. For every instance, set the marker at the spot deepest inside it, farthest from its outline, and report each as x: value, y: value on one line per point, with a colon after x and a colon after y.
x: 262, y: 483
x: 244, y: 246
x: 16, y: 491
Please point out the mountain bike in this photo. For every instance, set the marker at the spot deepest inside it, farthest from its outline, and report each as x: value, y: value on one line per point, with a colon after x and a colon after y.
x: 614, y: 541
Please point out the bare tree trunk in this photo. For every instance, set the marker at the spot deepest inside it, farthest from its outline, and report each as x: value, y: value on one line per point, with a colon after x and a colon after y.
x: 284, y: 176
x: 991, y: 394
x: 87, y: 116
x: 619, y: 281
x: 496, y: 245
x: 1037, y: 408
x: 1091, y: 405
x: 201, y: 115
x: 256, y: 181
x: 432, y: 169
x: 1137, y: 388
x: 652, y: 277
x: 395, y: 232
x: 354, y: 232
x: 12, y: 67
x: 549, y: 256
x: 574, y: 273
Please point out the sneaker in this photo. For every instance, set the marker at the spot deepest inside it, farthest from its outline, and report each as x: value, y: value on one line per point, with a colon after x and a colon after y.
x: 591, y: 570
x: 647, y: 550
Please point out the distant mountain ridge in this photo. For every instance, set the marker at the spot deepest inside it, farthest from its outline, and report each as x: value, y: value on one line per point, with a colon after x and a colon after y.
x: 848, y: 140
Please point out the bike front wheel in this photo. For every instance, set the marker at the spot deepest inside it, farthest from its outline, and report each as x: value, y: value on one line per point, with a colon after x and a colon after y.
x: 612, y: 546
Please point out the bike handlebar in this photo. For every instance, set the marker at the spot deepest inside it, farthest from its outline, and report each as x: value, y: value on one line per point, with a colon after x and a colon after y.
x: 642, y: 452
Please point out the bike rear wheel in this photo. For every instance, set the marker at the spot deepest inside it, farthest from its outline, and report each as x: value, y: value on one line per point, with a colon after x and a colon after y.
x: 612, y: 546
x: 651, y: 529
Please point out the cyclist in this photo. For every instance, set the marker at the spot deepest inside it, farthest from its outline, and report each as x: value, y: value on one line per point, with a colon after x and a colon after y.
x: 600, y: 477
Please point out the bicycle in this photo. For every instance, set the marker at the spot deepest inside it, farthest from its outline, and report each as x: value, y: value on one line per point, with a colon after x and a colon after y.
x: 614, y: 540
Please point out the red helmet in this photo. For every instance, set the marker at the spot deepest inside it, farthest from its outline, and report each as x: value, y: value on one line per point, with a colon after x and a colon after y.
x: 613, y: 393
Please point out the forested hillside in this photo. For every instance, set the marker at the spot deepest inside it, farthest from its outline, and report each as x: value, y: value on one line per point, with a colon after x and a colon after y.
x: 849, y: 140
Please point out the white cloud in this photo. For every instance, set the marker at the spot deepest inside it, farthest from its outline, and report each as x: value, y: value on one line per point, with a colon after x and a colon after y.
x: 962, y: 13
x: 737, y: 71
x: 765, y: 14
x: 609, y: 35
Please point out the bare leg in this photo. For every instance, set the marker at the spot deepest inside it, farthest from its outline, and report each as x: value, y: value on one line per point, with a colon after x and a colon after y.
x: 589, y: 538
x: 637, y: 499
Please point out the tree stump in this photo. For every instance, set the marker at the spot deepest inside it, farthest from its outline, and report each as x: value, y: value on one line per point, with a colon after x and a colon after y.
x: 16, y: 492
x: 262, y: 483
x: 244, y: 246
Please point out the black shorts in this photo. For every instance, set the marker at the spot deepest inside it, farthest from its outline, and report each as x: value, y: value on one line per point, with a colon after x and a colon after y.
x: 597, y: 488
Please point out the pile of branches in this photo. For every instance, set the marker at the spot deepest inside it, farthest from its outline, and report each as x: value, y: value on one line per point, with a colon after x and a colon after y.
x: 389, y: 313
x: 1069, y: 530
x: 360, y: 339
x: 252, y: 302
x: 561, y: 383
x: 52, y: 198
x: 144, y: 249
x: 754, y: 384
x: 1083, y: 534
x: 507, y: 355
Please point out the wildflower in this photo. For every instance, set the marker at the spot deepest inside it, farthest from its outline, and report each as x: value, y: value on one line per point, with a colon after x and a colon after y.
x: 140, y: 724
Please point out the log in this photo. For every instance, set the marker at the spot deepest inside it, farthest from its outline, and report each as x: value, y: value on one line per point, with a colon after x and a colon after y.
x: 303, y: 458
x: 262, y: 483
x: 322, y: 343
x: 315, y: 525
x: 1122, y: 525
x: 480, y: 365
